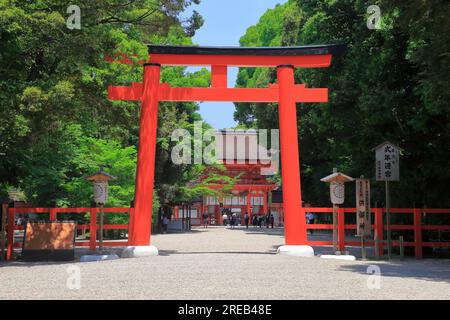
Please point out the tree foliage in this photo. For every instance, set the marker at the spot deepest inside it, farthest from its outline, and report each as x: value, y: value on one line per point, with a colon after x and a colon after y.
x: 391, y: 84
x: 57, y: 124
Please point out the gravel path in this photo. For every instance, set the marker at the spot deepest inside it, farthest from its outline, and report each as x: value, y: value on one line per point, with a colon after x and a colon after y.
x: 219, y: 263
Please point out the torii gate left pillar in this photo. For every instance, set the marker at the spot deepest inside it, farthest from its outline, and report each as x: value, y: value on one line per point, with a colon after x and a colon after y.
x: 145, y: 172
x: 286, y: 93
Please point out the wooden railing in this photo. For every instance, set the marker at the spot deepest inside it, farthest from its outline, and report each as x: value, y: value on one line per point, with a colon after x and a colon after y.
x: 378, y: 226
x: 418, y: 226
x: 92, y: 226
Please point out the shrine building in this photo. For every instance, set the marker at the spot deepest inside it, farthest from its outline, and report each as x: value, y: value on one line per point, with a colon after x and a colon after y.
x: 245, y: 158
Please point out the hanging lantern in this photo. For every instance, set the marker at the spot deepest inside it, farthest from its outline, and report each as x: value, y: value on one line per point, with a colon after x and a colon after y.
x: 337, y: 189
x: 100, y: 181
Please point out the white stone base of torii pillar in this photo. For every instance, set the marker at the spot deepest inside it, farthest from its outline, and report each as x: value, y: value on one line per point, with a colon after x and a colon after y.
x: 296, y: 251
x: 139, y: 251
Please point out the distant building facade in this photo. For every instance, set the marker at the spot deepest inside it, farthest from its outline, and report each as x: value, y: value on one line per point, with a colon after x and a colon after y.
x: 253, y: 193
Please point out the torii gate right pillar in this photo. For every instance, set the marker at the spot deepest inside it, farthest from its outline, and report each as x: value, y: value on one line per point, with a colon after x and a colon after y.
x: 294, y: 219
x: 295, y: 224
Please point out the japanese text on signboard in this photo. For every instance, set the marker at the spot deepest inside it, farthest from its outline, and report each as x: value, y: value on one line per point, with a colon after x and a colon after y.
x: 363, y: 207
x: 387, y: 163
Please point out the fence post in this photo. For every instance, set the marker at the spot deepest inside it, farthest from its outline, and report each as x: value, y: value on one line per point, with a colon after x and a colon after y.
x: 379, y: 231
x: 10, y: 231
x: 418, y: 233
x: 402, y: 247
x: 3, y: 230
x: 341, y: 229
x: 93, y: 229
x: 130, y: 223
x: 52, y: 214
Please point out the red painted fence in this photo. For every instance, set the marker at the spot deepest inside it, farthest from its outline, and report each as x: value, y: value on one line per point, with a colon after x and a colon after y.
x: 92, y: 243
x: 378, y: 226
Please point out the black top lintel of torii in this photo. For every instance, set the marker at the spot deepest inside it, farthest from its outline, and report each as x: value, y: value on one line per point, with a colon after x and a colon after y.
x: 333, y: 49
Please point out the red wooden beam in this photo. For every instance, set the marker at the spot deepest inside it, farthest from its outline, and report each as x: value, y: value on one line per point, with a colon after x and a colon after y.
x: 167, y: 93
x: 303, y: 61
x: 219, y: 75
x: 245, y: 187
x: 308, y: 61
x: 133, y: 93
x: 219, y: 94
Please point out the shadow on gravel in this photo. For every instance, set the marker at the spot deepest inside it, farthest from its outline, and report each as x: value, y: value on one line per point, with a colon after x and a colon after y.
x: 259, y: 231
x: 78, y: 253
x: 174, y: 231
x: 174, y: 252
x: 429, y: 270
x: 23, y: 264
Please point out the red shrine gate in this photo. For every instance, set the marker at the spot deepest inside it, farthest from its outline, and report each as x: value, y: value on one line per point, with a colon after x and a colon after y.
x: 286, y: 93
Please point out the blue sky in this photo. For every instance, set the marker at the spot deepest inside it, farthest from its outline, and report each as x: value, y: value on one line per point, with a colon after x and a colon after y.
x: 225, y: 22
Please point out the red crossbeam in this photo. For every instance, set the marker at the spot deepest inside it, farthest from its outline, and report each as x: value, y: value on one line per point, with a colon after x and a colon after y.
x: 303, y: 61
x: 133, y: 93
x: 167, y: 93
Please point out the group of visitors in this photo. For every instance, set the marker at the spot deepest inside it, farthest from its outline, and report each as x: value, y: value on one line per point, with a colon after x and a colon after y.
x: 232, y: 219
x: 268, y: 220
x: 257, y: 220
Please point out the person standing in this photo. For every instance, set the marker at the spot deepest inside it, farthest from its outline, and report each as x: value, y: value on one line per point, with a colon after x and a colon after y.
x: 272, y: 220
x: 205, y: 220
x: 233, y: 220
x: 255, y: 220
x: 310, y: 217
x: 225, y: 219
x: 165, y: 224
x: 247, y: 219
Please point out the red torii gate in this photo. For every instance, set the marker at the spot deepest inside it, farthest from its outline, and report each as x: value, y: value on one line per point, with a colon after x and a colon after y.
x: 286, y: 93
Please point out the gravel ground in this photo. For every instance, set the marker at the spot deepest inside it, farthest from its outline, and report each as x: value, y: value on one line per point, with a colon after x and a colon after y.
x: 219, y: 263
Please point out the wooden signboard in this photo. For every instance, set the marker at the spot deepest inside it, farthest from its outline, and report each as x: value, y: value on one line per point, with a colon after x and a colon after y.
x: 363, y: 207
x: 49, y: 241
x: 387, y: 162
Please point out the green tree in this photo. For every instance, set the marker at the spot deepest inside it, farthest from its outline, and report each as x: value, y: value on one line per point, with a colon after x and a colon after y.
x: 389, y: 85
x: 58, y: 125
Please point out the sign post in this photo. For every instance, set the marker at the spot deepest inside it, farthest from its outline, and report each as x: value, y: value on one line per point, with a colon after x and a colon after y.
x: 101, y: 197
x: 100, y: 181
x: 387, y: 167
x: 337, y: 197
x: 363, y: 211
